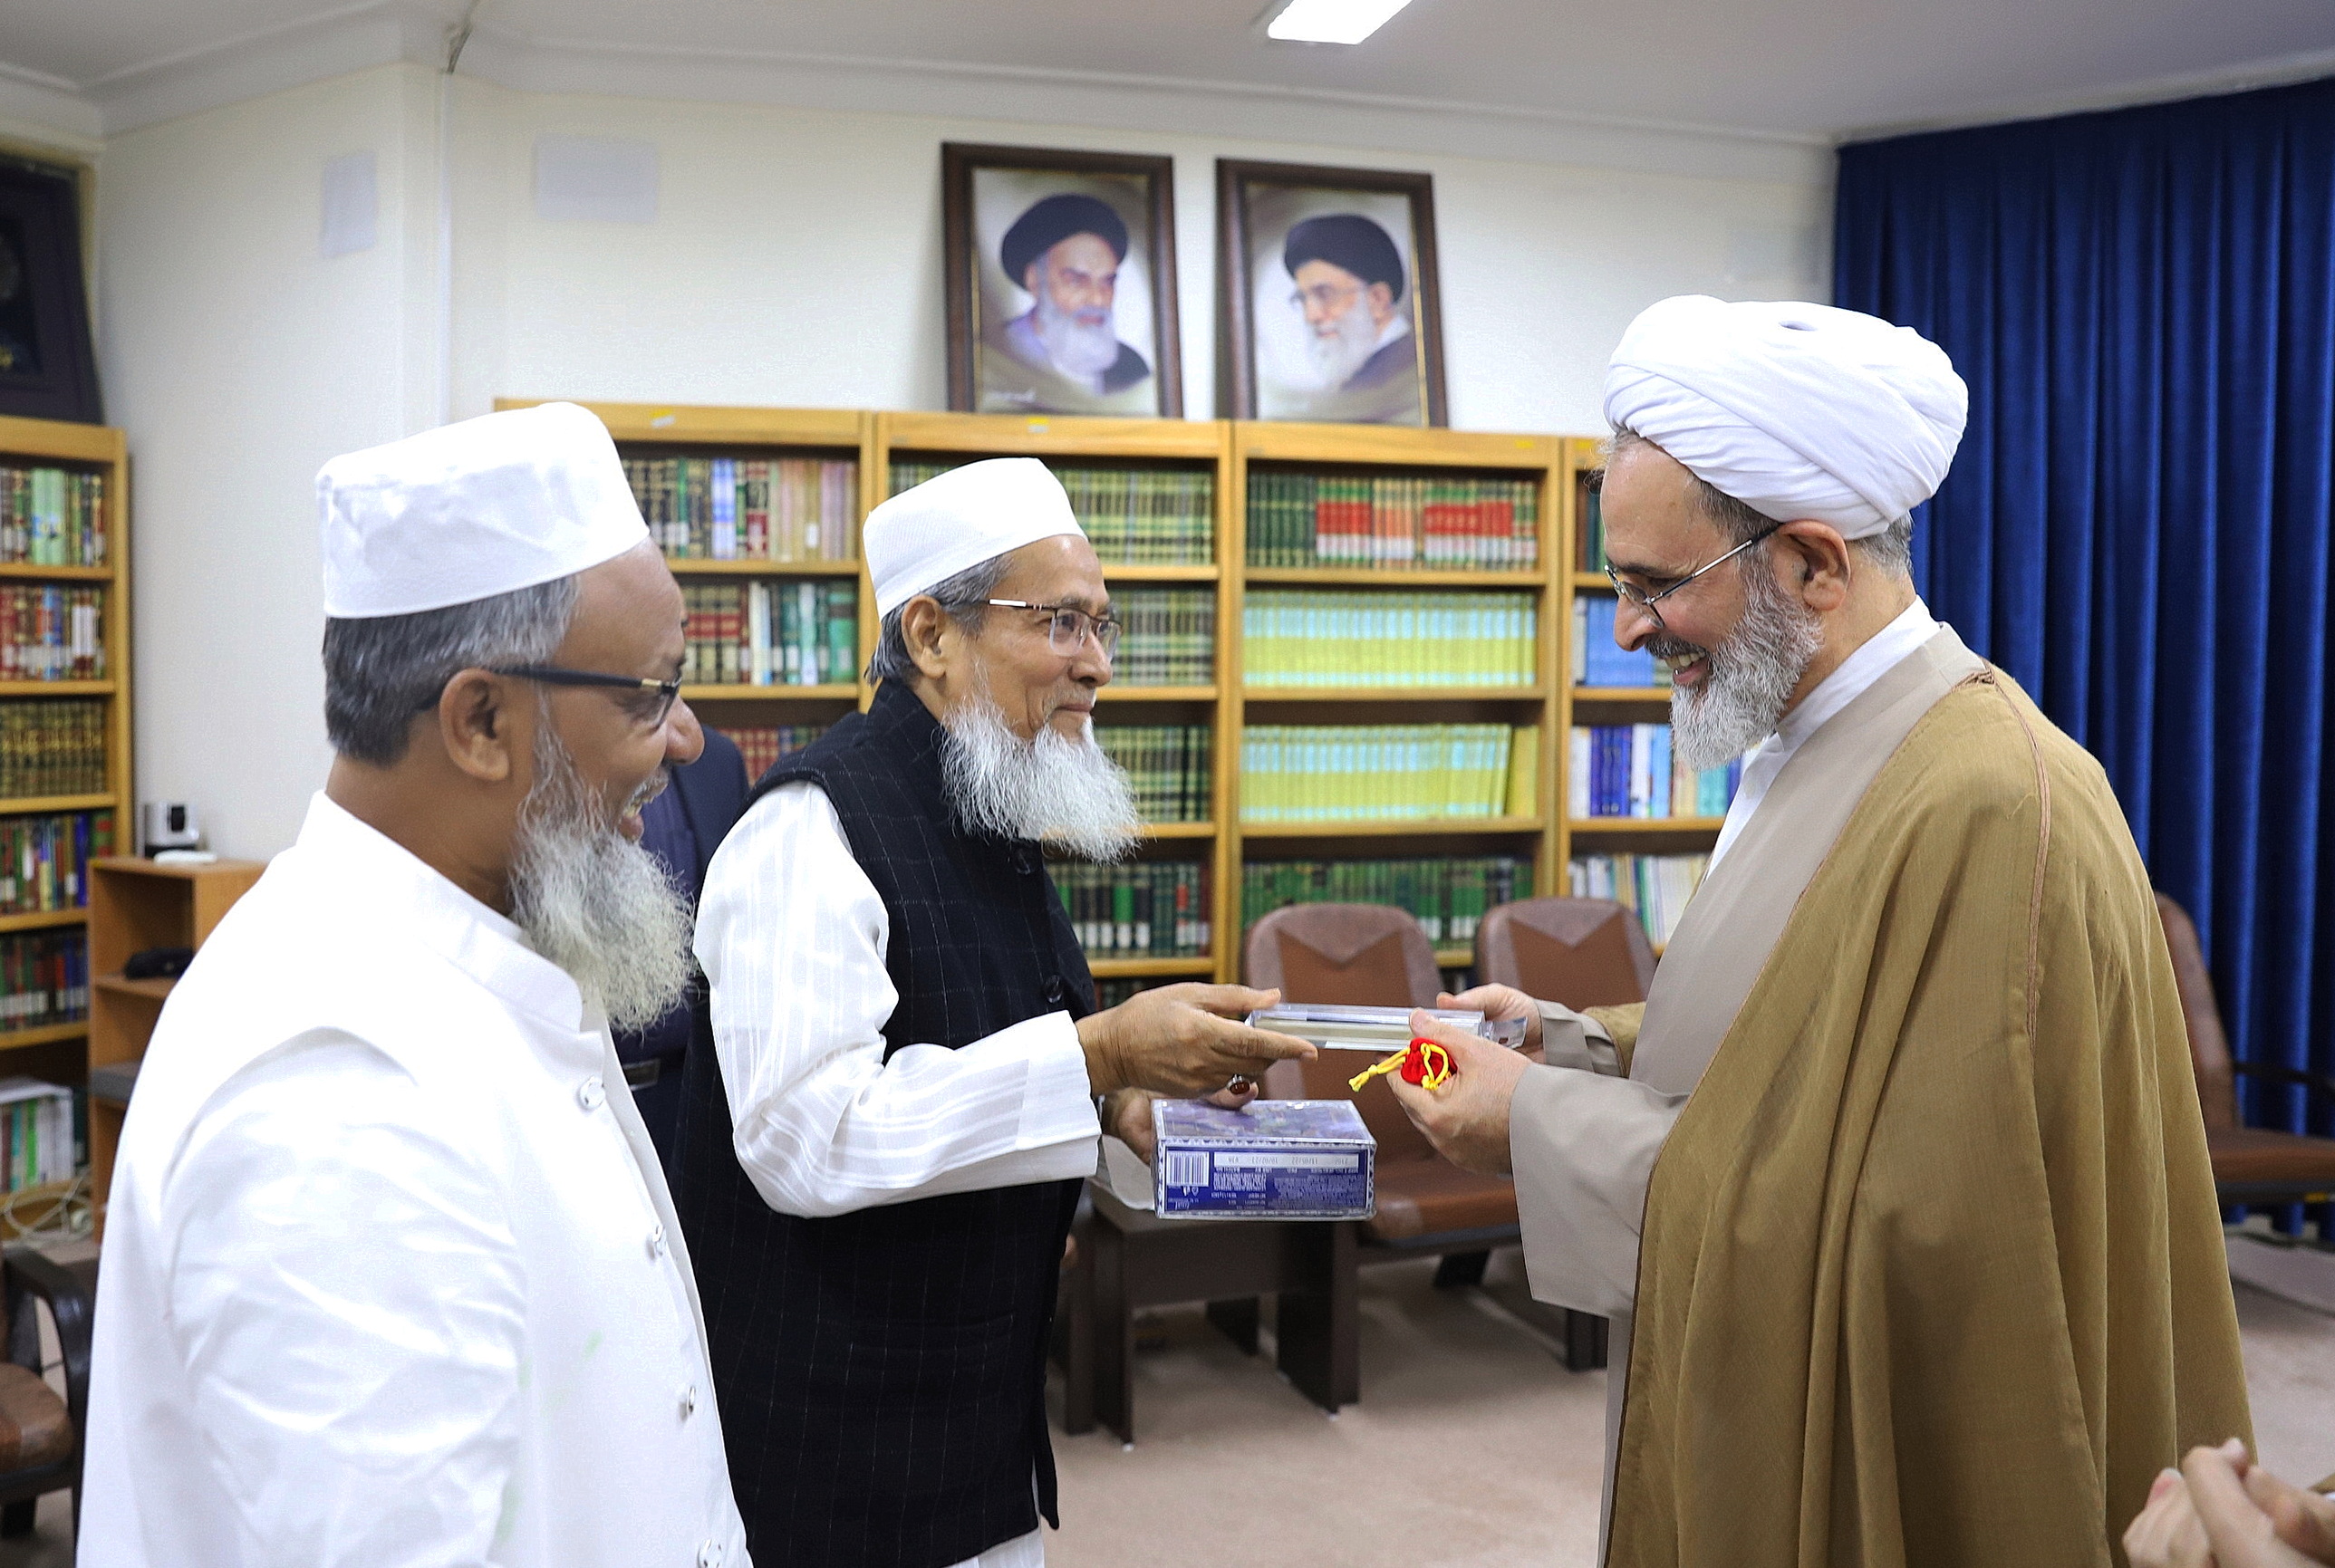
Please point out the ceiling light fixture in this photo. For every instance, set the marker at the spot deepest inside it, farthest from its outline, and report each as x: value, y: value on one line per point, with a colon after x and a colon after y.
x: 1331, y: 21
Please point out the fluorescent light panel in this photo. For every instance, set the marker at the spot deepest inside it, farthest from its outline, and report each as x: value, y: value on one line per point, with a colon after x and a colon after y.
x: 1332, y: 21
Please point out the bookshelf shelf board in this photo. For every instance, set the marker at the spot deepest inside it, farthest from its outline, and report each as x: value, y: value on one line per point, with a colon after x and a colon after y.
x: 1383, y: 447
x: 1179, y: 830
x: 22, y: 569
x: 685, y: 423
x: 30, y: 803
x: 1393, y: 693
x: 841, y: 692
x: 1052, y: 435
x: 55, y: 441
x: 1621, y: 694
x: 1132, y: 968
x: 694, y: 567
x: 1684, y: 825
x: 1455, y: 958
x: 56, y: 688
x: 1597, y: 580
x: 142, y: 866
x: 1131, y: 573
x: 154, y: 990
x: 1115, y: 692
x: 42, y: 919
x: 1409, y: 826
x: 1392, y: 577
x: 47, y: 1035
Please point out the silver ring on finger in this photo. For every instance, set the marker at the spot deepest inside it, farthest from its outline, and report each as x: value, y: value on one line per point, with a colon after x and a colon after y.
x: 1237, y: 1082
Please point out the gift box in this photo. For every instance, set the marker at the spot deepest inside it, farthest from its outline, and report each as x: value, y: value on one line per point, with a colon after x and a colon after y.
x: 1273, y: 1159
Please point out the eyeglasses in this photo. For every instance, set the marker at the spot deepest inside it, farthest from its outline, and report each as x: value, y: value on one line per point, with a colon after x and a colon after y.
x: 1069, y: 629
x: 1328, y: 297
x: 550, y: 676
x: 1646, y: 601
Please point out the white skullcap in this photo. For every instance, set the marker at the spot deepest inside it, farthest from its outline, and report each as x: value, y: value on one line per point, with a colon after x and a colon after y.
x: 1797, y: 411
x: 966, y: 517
x: 469, y: 510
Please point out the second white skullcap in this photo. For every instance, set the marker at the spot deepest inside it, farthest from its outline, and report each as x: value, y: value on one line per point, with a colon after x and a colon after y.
x: 925, y: 536
x: 470, y: 510
x: 1797, y: 411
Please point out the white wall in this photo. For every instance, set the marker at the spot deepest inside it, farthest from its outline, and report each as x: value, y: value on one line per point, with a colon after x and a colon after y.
x: 238, y: 361
x: 795, y: 260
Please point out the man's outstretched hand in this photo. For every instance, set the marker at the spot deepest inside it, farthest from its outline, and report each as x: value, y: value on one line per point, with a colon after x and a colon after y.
x: 1466, y: 1119
x: 2220, y: 1510
x: 1183, y: 1041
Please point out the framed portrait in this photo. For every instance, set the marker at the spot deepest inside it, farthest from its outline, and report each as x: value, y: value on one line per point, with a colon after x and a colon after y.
x: 1330, y: 303
x: 47, y: 369
x: 1060, y: 278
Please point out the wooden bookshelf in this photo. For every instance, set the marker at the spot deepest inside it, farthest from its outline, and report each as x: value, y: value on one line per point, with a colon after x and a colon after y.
x: 59, y: 1053
x: 135, y: 905
x: 1227, y: 450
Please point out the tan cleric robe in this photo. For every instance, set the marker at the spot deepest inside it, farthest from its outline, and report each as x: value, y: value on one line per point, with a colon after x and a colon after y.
x: 1902, y: 1212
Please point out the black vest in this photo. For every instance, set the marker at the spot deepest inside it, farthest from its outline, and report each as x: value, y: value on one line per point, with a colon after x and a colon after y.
x: 882, y: 1373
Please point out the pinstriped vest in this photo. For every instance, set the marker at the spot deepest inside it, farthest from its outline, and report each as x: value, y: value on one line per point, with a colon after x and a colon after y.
x: 882, y: 1373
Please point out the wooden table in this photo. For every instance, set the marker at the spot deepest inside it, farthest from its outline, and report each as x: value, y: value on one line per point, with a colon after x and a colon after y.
x: 1129, y: 1258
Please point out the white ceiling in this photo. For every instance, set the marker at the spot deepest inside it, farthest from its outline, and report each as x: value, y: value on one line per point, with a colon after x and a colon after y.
x: 1796, y: 70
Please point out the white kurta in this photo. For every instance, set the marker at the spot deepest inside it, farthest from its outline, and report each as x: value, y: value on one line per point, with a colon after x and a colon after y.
x: 793, y: 936
x: 391, y: 1275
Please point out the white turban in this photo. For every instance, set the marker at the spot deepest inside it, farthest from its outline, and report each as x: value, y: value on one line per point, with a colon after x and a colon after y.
x: 925, y: 536
x: 1797, y: 411
x: 469, y: 510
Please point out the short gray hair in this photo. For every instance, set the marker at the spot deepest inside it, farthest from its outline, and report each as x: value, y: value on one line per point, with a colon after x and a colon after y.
x: 1890, y: 551
x: 382, y: 672
x: 964, y: 596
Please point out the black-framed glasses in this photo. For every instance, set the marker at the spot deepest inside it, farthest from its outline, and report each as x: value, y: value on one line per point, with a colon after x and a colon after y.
x: 667, y: 691
x: 1646, y: 601
x: 1067, y: 632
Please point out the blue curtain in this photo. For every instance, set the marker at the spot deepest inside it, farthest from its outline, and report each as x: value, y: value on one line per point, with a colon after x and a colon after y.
x: 2136, y: 526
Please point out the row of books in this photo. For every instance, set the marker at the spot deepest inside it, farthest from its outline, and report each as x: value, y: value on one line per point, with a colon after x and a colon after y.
x: 49, y: 633
x: 1113, y: 991
x: 1387, y: 772
x: 1311, y: 638
x: 1168, y: 764
x: 52, y: 516
x: 1596, y: 661
x: 749, y: 508
x: 1627, y: 770
x: 43, y: 979
x: 761, y: 745
x: 1589, y: 552
x: 776, y: 634
x: 44, y: 860
x: 1169, y: 636
x: 1140, y: 909
x: 40, y: 1133
x: 49, y: 747
x: 1449, y: 898
x: 1392, y: 521
x: 1133, y: 517
x: 1654, y: 887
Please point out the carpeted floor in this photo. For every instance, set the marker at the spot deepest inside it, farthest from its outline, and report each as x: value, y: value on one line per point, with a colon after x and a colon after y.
x: 1473, y: 1446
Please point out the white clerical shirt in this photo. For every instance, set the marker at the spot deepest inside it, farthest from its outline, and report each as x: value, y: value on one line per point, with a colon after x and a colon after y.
x: 391, y: 1275
x: 793, y: 937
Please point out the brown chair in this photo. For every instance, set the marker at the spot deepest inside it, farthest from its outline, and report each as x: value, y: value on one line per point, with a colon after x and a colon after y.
x: 40, y: 1433
x: 1581, y: 951
x: 1374, y: 955
x: 2252, y: 1165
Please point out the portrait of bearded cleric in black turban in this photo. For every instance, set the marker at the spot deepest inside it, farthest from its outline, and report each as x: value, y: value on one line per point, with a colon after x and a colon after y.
x: 1061, y: 293
x: 1329, y: 294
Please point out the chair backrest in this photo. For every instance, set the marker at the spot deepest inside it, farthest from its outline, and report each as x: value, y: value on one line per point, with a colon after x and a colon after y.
x: 1362, y: 954
x: 2209, y: 1047
x: 1581, y: 951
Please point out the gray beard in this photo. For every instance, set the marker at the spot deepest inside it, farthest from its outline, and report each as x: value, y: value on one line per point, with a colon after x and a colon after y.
x: 594, y: 903
x: 1076, y: 348
x: 1062, y: 791
x: 1338, y: 356
x: 1752, y: 674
